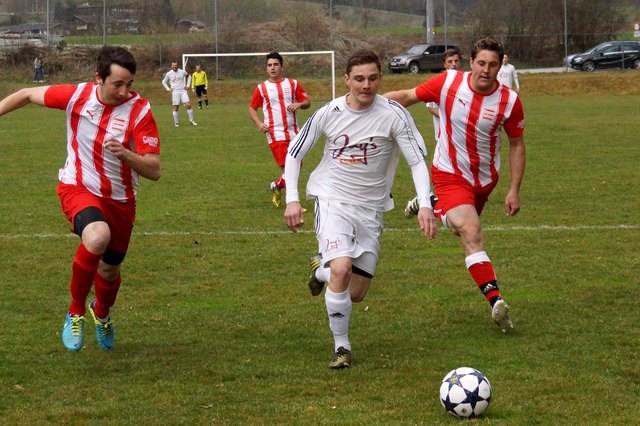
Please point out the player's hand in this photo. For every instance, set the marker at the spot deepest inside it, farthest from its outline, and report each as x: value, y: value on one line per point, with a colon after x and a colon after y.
x: 206, y: 88
x: 512, y: 204
x: 264, y: 128
x: 293, y: 107
x: 427, y: 222
x: 294, y: 216
x: 116, y: 148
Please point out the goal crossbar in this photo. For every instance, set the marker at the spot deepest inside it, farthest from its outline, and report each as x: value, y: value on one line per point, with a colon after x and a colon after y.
x: 186, y: 56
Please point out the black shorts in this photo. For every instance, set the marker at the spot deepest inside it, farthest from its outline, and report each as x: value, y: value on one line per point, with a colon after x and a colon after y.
x: 201, y: 90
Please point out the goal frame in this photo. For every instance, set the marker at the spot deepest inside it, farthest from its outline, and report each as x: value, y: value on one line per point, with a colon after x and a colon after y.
x: 186, y: 56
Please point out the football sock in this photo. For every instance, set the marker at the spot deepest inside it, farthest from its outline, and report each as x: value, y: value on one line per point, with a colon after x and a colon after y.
x: 106, y: 292
x: 190, y: 114
x: 482, y: 272
x: 85, y: 266
x: 280, y: 183
x: 200, y: 104
x: 206, y: 102
x: 339, y: 311
x: 323, y: 273
x: 175, y: 117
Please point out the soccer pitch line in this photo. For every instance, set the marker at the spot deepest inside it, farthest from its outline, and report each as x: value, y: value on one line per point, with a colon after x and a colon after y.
x: 621, y: 227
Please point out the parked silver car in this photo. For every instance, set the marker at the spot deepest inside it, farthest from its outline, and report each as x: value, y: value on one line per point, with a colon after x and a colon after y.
x: 421, y: 57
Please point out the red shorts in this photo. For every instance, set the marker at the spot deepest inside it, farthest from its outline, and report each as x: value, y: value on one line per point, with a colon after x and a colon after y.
x: 453, y: 191
x: 119, y: 215
x: 279, y: 150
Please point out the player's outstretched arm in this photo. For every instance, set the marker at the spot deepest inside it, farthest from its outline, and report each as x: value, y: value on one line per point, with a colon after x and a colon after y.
x: 30, y: 95
x: 406, y: 97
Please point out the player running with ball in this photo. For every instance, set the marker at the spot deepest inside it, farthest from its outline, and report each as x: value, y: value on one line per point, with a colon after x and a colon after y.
x: 365, y: 134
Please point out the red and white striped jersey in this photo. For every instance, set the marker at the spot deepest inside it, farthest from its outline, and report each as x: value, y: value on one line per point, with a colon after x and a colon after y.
x: 274, y: 99
x: 89, y: 123
x: 470, y: 123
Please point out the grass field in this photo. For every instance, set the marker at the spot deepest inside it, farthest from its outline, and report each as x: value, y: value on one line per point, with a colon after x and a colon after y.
x: 215, y: 323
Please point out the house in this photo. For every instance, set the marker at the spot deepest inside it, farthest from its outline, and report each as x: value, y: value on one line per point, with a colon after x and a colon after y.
x: 189, y: 26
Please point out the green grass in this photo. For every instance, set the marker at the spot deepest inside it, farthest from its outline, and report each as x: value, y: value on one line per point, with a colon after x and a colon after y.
x: 216, y: 326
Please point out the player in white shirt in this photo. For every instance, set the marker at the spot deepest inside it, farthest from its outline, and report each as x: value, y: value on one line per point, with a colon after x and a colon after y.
x: 112, y: 139
x: 474, y: 108
x: 177, y: 81
x: 508, y: 75
x: 365, y: 134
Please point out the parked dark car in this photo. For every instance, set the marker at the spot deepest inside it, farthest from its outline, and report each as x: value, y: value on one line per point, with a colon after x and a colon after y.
x: 421, y: 57
x: 611, y: 54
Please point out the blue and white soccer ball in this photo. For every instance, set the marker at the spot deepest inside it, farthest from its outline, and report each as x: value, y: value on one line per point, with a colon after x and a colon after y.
x: 465, y: 392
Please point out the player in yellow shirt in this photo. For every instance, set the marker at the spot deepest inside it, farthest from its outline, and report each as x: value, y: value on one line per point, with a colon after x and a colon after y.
x: 199, y: 84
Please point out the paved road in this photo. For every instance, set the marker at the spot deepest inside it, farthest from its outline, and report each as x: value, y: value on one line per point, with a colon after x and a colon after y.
x: 543, y: 70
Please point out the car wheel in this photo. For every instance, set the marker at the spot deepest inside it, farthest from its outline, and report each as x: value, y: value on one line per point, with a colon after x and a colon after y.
x: 588, y: 66
x: 636, y: 64
x: 414, y: 68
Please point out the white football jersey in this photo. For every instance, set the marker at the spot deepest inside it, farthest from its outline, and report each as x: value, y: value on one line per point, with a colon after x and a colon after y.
x: 361, y: 151
x: 176, y: 80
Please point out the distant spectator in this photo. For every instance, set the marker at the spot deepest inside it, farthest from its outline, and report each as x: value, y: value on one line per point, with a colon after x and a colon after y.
x: 39, y: 72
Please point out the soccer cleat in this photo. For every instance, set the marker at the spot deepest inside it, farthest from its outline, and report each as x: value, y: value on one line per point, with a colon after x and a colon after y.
x: 314, y: 285
x: 412, y: 208
x: 193, y: 123
x: 105, y: 332
x: 501, y: 315
x: 341, y: 359
x: 199, y: 106
x: 276, y: 195
x: 73, y: 332
x: 177, y: 125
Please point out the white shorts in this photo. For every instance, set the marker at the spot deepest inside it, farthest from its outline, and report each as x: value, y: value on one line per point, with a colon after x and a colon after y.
x: 346, y: 230
x: 178, y: 97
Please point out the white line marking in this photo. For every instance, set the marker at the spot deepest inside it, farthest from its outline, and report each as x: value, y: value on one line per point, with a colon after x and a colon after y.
x: 284, y: 232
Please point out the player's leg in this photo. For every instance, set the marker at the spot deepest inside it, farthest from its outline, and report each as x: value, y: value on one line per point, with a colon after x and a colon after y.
x: 465, y: 222
x: 339, y: 306
x: 88, y: 222
x: 120, y: 216
x: 187, y: 105
x: 199, y: 96
x: 175, y: 105
x: 206, y: 97
x: 279, y: 151
x: 107, y: 284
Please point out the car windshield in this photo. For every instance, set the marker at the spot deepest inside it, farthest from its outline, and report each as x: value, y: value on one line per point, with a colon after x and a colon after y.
x: 416, y: 50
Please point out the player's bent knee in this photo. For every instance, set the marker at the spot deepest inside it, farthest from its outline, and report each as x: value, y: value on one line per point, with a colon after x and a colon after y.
x: 113, y: 258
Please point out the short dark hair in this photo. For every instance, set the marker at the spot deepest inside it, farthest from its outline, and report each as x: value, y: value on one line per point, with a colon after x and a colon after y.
x: 275, y: 55
x: 361, y: 57
x: 114, y: 55
x: 487, y: 44
x: 453, y: 51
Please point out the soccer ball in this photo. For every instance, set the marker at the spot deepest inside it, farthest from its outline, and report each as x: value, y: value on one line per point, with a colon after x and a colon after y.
x: 465, y: 392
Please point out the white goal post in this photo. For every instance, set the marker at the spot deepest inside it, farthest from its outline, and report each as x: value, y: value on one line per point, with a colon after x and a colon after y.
x: 186, y: 56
